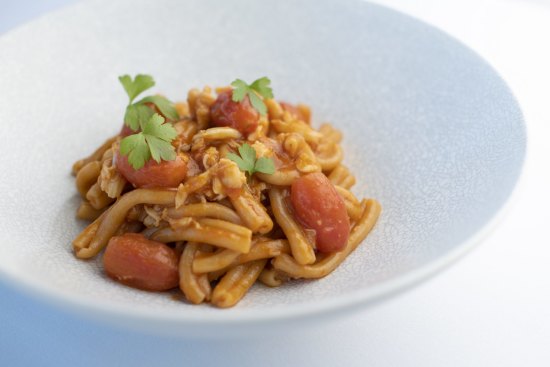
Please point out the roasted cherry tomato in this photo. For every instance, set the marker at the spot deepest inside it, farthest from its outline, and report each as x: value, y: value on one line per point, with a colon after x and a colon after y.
x: 135, y: 261
x: 153, y: 174
x: 318, y: 206
x: 126, y: 131
x: 238, y: 115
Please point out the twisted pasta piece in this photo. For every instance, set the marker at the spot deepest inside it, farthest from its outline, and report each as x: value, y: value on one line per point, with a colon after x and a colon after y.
x: 87, y: 211
x: 222, y: 260
x: 205, y: 210
x: 353, y: 206
x: 329, y: 155
x: 330, y: 134
x: 302, y: 249
x: 274, y: 109
x: 283, y: 177
x: 98, y: 198
x: 236, y: 282
x: 211, y: 231
x: 216, y: 261
x: 218, y: 133
x: 341, y: 176
x: 252, y: 212
x: 115, y: 215
x: 295, y: 126
x: 195, y: 287
x: 87, y: 176
x: 271, y: 277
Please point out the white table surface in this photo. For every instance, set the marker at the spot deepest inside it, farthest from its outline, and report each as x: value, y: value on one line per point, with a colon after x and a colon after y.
x: 492, y: 308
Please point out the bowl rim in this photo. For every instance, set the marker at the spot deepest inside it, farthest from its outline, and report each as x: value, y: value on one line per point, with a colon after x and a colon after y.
x: 303, y: 311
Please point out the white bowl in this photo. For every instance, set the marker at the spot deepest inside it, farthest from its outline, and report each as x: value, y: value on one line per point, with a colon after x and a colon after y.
x: 431, y: 131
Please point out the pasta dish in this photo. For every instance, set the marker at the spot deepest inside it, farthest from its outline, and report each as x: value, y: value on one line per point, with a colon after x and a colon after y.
x: 215, y: 193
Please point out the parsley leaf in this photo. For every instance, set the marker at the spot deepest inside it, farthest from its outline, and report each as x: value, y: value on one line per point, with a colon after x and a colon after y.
x: 262, y: 87
x: 154, y: 141
x: 137, y: 114
x: 248, y: 154
x: 156, y: 127
x: 165, y: 106
x: 240, y: 91
x: 135, y: 147
x: 135, y: 87
x: 247, y: 161
x: 240, y: 162
x: 257, y: 103
x: 255, y: 91
x: 160, y: 150
x: 265, y: 165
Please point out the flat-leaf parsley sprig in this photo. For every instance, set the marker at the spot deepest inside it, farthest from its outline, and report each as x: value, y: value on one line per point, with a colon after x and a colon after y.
x: 247, y: 161
x: 258, y: 88
x: 154, y: 141
x: 137, y: 114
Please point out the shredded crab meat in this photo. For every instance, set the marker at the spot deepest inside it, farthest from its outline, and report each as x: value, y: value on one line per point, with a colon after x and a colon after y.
x: 186, y: 130
x: 257, y: 188
x: 210, y: 158
x: 300, y: 151
x: 229, y: 174
x: 154, y: 215
x: 192, y: 185
x: 215, y: 183
x: 110, y: 180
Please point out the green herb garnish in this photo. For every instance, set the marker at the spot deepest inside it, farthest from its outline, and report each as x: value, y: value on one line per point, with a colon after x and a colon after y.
x: 137, y: 114
x: 247, y: 161
x: 154, y: 141
x: 259, y: 88
x: 135, y: 87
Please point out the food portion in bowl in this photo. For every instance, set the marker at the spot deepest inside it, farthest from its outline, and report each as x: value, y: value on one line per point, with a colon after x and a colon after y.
x: 217, y: 192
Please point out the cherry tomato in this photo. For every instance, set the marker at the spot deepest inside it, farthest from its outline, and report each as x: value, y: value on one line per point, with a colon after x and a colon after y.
x: 153, y: 174
x: 318, y: 206
x: 238, y: 115
x: 126, y: 131
x: 135, y: 261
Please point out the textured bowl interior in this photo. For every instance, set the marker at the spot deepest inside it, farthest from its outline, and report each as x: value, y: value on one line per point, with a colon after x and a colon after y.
x: 430, y: 130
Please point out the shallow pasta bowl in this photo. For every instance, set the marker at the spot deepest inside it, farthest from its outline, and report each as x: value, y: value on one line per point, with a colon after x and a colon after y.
x: 430, y: 130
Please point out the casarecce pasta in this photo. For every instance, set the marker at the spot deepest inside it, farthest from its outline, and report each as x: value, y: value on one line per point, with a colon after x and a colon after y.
x: 218, y: 192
